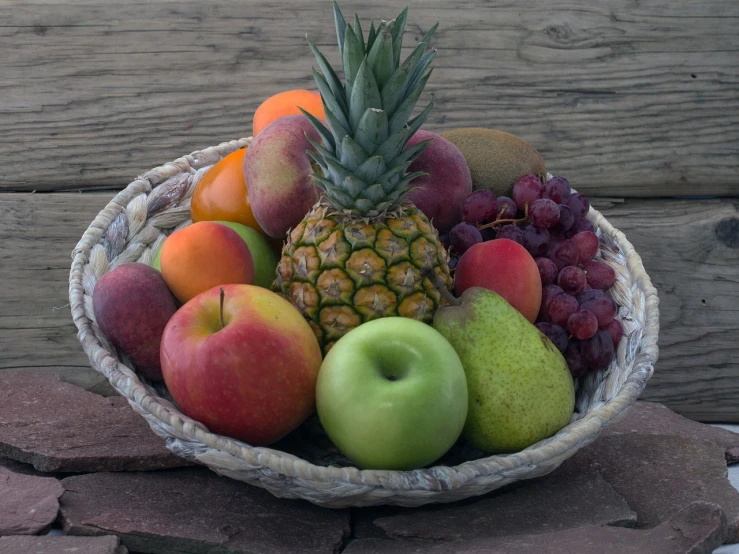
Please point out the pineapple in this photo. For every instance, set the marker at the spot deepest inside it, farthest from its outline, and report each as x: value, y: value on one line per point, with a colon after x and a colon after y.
x: 363, y: 252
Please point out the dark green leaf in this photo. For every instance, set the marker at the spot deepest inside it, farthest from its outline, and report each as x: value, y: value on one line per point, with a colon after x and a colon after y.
x: 372, y: 130
x: 352, y: 154
x: 402, y: 114
x: 371, y: 170
x: 365, y: 95
x: 353, y: 55
x: 318, y: 125
x: 340, y: 27
x: 381, y: 58
x: 337, y: 89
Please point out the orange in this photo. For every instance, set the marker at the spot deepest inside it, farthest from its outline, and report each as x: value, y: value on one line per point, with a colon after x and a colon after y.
x: 286, y: 103
x: 221, y: 194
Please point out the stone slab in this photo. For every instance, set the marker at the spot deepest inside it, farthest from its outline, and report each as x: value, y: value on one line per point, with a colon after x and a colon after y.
x: 571, y: 497
x: 28, y: 504
x: 61, y: 545
x: 659, y: 475
x: 195, y: 511
x: 656, y: 419
x: 59, y: 427
x: 697, y: 529
x: 20, y: 467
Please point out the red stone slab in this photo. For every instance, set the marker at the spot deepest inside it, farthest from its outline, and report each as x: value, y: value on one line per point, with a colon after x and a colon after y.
x: 697, y: 529
x: 57, y: 426
x: 196, y: 511
x: 572, y: 497
x: 656, y: 419
x: 61, y: 545
x: 28, y: 504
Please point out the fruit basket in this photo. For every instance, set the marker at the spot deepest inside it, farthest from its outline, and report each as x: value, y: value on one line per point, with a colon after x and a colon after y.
x: 138, y: 219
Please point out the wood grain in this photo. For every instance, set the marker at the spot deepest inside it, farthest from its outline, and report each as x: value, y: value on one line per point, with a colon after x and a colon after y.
x: 624, y: 97
x: 689, y: 248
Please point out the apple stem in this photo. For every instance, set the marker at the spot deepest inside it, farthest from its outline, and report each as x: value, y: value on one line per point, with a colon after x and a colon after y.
x: 440, y: 285
x: 223, y: 295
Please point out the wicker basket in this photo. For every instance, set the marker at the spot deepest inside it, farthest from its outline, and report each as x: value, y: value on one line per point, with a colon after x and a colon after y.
x: 138, y: 219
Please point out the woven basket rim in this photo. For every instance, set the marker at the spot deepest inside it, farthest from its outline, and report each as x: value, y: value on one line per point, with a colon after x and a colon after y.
x: 552, y: 451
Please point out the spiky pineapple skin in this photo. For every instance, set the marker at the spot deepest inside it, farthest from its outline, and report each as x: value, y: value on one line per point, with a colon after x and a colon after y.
x: 342, y: 272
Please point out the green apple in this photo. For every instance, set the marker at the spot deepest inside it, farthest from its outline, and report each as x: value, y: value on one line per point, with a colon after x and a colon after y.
x: 265, y: 260
x: 392, y: 394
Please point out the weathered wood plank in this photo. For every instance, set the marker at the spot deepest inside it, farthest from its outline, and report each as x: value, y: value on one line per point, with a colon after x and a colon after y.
x: 625, y: 97
x: 690, y: 249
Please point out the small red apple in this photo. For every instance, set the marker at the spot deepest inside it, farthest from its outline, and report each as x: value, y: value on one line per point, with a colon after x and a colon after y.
x: 505, y: 267
x: 243, y: 362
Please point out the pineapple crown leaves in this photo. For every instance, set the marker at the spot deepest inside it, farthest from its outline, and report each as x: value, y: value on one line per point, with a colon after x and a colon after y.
x: 363, y: 159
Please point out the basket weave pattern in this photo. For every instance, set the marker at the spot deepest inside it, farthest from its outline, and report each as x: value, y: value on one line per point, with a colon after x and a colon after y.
x: 133, y: 225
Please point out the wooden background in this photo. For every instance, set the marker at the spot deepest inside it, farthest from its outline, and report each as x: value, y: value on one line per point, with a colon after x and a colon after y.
x: 636, y: 102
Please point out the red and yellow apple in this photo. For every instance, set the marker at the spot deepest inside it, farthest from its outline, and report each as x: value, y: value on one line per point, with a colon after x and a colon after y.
x: 505, y: 267
x: 244, y: 364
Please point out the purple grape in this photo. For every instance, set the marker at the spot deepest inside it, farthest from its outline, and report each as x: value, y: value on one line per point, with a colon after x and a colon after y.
x: 602, y: 307
x: 600, y: 275
x: 579, y: 204
x: 548, y: 292
x: 587, y: 245
x: 543, y: 213
x: 445, y: 240
x: 571, y: 279
x: 510, y: 208
x: 557, y: 189
x: 478, y: 206
x: 580, y: 225
x: 453, y: 261
x: 588, y: 295
x: 566, y: 218
x: 464, y: 236
x: 616, y: 331
x: 574, y: 360
x: 597, y: 351
x: 535, y: 240
x: 564, y: 254
x: 510, y: 231
x: 560, y: 307
x: 527, y: 189
x: 582, y: 324
x: 554, y: 333
x: 547, y: 271
x: 487, y: 234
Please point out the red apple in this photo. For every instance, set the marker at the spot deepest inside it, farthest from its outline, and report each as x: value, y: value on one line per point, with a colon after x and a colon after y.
x: 132, y: 305
x: 503, y: 266
x: 246, y: 367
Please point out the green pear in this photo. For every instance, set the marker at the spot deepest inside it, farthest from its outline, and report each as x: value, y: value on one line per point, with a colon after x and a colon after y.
x: 520, y: 389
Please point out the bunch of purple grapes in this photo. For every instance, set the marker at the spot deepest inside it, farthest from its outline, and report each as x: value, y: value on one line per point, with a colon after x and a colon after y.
x: 549, y: 220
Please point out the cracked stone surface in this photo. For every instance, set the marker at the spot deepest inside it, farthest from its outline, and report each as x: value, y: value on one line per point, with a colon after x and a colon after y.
x: 659, y: 475
x: 61, y: 545
x: 195, y: 511
x: 28, y: 504
x: 651, y: 418
x: 20, y: 467
x: 574, y: 495
x: 696, y: 529
x: 59, y: 427
x: 655, y: 475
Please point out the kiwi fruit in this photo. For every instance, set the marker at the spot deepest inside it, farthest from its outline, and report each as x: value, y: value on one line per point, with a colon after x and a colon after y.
x: 496, y: 159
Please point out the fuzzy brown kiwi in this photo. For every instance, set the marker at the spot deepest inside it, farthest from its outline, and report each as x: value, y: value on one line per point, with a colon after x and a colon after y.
x: 496, y: 159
